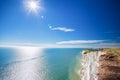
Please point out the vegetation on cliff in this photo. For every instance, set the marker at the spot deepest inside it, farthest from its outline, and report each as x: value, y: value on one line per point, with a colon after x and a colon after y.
x: 86, y: 51
x: 109, y: 68
x: 113, y: 51
x: 109, y: 63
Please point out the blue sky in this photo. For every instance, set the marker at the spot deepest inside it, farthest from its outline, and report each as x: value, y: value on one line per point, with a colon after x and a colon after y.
x: 63, y: 22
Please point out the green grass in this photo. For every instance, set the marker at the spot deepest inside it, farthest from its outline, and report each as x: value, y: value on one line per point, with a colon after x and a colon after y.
x: 113, y: 51
x: 89, y: 50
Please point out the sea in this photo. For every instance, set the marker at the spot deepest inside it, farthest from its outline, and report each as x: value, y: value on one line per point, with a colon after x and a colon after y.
x: 31, y: 63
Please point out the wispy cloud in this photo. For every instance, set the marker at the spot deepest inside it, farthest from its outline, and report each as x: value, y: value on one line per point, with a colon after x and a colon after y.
x: 111, y: 32
x: 109, y: 45
x: 80, y: 41
x: 118, y: 37
x: 76, y: 44
x: 65, y: 29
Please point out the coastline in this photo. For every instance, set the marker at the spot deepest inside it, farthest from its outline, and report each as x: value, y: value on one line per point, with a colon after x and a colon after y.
x: 97, y: 64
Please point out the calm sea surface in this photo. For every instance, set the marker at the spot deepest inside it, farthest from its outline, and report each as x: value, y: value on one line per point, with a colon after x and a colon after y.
x: 26, y: 63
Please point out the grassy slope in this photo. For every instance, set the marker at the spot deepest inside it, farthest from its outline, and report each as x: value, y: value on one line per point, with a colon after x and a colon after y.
x: 109, y: 51
x: 109, y: 68
x: 113, y: 52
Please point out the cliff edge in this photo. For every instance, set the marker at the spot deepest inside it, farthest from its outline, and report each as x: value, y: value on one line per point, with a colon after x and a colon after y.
x: 109, y: 68
x: 102, y: 64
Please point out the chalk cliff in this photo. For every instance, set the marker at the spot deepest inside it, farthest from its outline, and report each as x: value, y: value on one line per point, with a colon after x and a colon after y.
x: 100, y: 65
x: 90, y: 65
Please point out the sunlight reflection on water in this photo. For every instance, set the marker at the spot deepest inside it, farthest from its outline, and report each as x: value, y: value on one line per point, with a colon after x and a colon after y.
x: 28, y: 52
x: 35, y: 63
x: 27, y: 68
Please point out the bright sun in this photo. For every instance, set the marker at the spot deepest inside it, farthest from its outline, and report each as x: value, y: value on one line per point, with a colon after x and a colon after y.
x: 33, y: 6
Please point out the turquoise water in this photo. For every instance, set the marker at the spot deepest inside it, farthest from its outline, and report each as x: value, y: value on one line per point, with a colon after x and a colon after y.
x: 39, y: 64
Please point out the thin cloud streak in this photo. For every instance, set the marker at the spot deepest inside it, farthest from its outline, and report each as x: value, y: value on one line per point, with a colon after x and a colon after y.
x: 80, y: 42
x: 112, y: 32
x: 108, y: 45
x: 89, y: 44
x: 61, y: 29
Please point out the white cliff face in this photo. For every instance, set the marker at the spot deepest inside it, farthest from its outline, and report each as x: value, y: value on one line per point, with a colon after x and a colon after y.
x: 90, y: 65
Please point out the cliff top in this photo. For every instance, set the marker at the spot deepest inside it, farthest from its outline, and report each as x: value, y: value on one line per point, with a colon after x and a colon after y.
x: 109, y: 68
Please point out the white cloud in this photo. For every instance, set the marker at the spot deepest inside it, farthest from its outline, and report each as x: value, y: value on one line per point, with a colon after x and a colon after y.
x: 92, y: 44
x: 80, y: 41
x: 61, y: 29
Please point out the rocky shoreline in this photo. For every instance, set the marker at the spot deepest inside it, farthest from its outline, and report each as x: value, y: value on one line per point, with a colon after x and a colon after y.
x: 100, y: 64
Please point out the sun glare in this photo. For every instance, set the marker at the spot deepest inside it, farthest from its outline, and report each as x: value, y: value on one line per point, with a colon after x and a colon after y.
x: 33, y: 6
x: 27, y: 52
